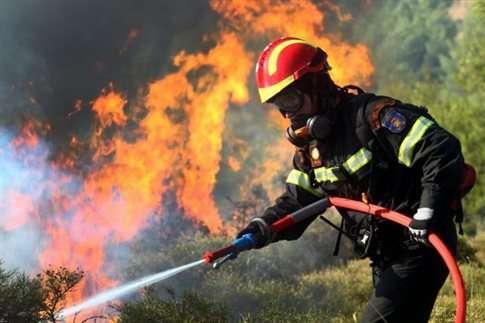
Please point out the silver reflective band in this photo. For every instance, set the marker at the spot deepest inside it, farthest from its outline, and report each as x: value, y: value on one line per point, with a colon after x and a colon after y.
x: 302, y: 180
x: 324, y: 174
x: 357, y: 160
x: 415, y: 134
x: 352, y: 165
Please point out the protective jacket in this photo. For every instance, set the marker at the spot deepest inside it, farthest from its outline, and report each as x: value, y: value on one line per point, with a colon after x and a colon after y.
x: 384, y: 152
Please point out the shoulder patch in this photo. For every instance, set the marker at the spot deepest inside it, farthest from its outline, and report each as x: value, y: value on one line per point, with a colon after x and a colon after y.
x: 393, y: 121
x: 377, y: 106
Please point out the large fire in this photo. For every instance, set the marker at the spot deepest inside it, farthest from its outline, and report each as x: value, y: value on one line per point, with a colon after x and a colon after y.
x: 270, y: 19
x: 179, y: 143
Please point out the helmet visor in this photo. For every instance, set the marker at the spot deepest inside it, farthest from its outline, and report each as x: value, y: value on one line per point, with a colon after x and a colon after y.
x: 289, y: 101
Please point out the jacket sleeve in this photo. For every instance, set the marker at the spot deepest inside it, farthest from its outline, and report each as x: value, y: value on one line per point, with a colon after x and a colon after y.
x: 413, y: 138
x: 299, y: 193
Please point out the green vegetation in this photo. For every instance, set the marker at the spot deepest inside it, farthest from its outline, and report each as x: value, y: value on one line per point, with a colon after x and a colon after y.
x: 423, y: 57
x: 26, y: 299
x: 408, y: 39
x: 287, y: 282
x: 190, y: 308
x: 20, y: 297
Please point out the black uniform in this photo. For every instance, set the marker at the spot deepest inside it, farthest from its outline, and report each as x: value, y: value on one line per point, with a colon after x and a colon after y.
x: 397, y: 156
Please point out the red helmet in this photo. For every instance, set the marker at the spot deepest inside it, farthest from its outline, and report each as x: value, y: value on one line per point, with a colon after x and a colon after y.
x: 284, y: 61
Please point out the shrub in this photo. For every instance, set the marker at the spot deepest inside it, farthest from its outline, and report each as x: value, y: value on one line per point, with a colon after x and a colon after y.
x: 189, y: 308
x: 37, y: 299
x: 20, y: 297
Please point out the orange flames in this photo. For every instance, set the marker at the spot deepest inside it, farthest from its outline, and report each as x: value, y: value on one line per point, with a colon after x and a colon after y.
x: 27, y: 136
x: 117, y: 200
x: 271, y: 19
x: 109, y: 109
x: 19, y: 207
x: 181, y: 138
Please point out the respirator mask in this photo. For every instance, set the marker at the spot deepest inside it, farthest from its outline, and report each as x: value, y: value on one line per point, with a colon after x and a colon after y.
x: 304, y: 127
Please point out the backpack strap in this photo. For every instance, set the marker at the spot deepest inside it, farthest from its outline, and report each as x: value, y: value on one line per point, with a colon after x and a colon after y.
x: 340, y: 230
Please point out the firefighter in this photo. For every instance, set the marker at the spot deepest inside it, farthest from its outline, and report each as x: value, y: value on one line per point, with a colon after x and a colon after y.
x: 362, y: 146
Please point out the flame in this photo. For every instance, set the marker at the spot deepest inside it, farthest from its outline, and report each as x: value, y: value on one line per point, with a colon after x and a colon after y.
x: 205, y: 105
x: 238, y: 153
x: 109, y: 109
x: 17, y: 207
x: 234, y: 163
x: 341, y: 15
x: 272, y: 172
x: 178, y: 144
x: 303, y: 19
x: 116, y: 201
x: 256, y: 19
x: 28, y: 137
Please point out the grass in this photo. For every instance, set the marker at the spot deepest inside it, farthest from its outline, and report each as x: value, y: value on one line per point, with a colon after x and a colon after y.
x: 300, y: 282
x: 473, y: 273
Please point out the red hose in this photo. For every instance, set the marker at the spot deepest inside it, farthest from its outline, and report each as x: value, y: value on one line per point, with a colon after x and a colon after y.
x: 434, y: 240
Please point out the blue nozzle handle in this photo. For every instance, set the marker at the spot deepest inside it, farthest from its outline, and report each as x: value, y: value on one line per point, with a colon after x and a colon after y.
x: 246, y: 242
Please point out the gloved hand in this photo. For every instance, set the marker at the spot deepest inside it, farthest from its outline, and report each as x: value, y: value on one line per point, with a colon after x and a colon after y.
x: 420, y: 224
x: 261, y: 230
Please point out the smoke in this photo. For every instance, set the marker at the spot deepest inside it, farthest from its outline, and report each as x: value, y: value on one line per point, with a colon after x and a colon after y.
x: 134, y: 119
x: 57, y: 52
x: 26, y: 179
x: 58, y: 56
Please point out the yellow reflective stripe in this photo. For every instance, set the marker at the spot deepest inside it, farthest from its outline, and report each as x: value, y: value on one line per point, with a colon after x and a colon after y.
x: 302, y: 180
x: 323, y: 174
x: 357, y: 160
x: 415, y: 134
x: 268, y: 92
x: 275, y: 53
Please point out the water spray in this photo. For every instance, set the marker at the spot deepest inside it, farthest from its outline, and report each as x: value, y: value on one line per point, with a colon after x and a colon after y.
x: 247, y: 242
x: 244, y: 243
x: 127, y: 288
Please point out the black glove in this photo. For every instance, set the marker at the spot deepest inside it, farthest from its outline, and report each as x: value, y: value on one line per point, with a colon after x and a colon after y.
x: 420, y: 224
x: 261, y: 230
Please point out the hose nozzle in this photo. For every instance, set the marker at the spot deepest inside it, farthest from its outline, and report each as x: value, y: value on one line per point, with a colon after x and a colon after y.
x: 218, y: 263
x: 246, y: 242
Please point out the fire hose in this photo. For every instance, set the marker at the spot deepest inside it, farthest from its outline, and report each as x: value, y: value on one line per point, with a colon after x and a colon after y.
x: 247, y: 241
